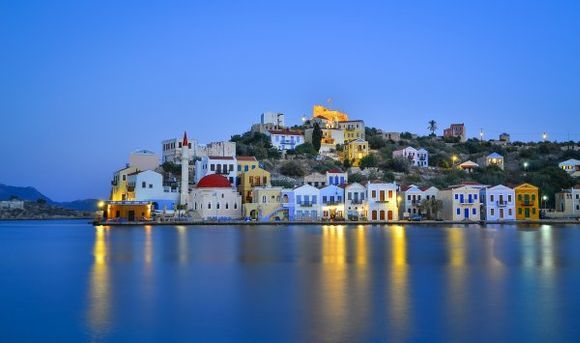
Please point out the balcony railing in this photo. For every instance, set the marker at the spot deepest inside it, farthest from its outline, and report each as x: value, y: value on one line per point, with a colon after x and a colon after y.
x: 356, y: 201
x: 467, y: 202
x: 528, y: 203
x: 334, y: 202
x: 382, y: 201
x: 502, y: 203
x: 306, y: 204
x: 113, y: 182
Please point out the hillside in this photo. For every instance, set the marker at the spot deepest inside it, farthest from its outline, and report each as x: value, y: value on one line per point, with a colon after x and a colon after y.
x: 32, y: 194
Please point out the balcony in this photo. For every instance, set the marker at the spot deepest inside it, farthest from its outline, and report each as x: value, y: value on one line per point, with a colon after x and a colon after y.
x: 330, y: 203
x: 306, y: 204
x: 527, y: 203
x: 113, y: 182
x: 467, y: 203
x: 356, y: 201
x: 501, y: 203
x: 382, y: 201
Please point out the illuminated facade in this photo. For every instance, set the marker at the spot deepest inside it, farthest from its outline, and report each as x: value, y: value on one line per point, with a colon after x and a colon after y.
x: 267, y: 205
x: 128, y: 211
x: 355, y: 201
x: 382, y: 201
x: 332, y: 202
x: 213, y: 198
x: 527, y: 200
x: 355, y: 150
x: 353, y: 129
x: 492, y: 160
x: 256, y: 177
x: 319, y: 111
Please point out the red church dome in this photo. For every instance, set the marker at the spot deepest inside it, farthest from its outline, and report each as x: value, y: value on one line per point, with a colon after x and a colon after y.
x: 214, y: 181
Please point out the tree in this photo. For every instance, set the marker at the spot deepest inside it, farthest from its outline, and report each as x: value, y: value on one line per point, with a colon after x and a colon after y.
x: 305, y: 149
x: 316, y: 137
x: 431, y: 208
x: 368, y: 161
x: 376, y: 142
x: 432, y: 127
x: 41, y: 201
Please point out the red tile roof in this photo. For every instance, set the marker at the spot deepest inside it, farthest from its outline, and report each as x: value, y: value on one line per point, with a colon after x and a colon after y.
x: 246, y: 158
x: 335, y: 170
x: 220, y: 157
x: 286, y: 132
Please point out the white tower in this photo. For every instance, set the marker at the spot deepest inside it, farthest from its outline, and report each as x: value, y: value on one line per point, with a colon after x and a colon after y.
x: 184, y: 193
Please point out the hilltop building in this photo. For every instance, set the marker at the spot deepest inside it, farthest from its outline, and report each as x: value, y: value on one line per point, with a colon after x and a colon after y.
x: 333, y: 116
x: 571, y: 166
x: 285, y: 139
x: 353, y: 129
x: 456, y: 130
x: 356, y: 150
x: 492, y: 160
x: 417, y: 157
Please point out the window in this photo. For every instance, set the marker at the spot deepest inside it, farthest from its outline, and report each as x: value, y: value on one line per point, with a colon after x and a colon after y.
x: 390, y: 194
x: 510, y: 211
x: 227, y: 205
x: 218, y: 206
x: 519, y: 197
x: 209, y: 205
x: 520, y: 210
x: 458, y: 211
x: 239, y: 168
x: 349, y: 195
x: 324, y: 200
x: 264, y: 198
x: 509, y: 197
x: 235, y: 206
x: 143, y: 184
x: 474, y: 211
x: 491, y: 199
x: 374, y: 194
x: 492, y: 212
x: 124, y: 177
x: 150, y: 185
x: 212, y: 167
x: 456, y: 196
x: 533, y: 210
x: 246, y: 168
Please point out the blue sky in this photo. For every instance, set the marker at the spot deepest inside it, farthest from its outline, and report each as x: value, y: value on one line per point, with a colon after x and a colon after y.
x: 84, y: 83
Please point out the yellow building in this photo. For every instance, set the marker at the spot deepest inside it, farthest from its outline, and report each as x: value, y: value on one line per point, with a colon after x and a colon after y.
x: 128, y: 211
x: 320, y: 111
x: 266, y: 205
x: 353, y: 129
x: 527, y: 200
x: 246, y: 163
x: 256, y: 177
x: 355, y: 150
x: 120, y: 189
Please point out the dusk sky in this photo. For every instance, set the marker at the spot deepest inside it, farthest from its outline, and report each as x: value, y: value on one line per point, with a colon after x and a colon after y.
x: 84, y: 83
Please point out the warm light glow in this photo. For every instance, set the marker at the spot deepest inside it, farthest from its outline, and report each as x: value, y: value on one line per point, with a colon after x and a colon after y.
x: 99, y: 288
x: 101, y: 204
x: 454, y: 158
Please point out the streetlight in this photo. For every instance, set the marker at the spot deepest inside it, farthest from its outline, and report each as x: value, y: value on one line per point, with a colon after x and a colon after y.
x: 544, y: 136
x: 453, y: 159
x: 545, y: 199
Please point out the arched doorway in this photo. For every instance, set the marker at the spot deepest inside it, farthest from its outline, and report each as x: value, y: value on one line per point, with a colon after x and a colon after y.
x: 390, y: 215
x: 254, y: 214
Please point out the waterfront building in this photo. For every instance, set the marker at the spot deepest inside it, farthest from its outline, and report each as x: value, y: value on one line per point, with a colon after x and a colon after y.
x: 285, y: 139
x: 411, y: 197
x: 332, y: 197
x: 213, y: 198
x: 417, y: 157
x: 382, y: 201
x: 355, y: 203
x: 571, y: 166
x: 288, y: 201
x: 267, y: 205
x: 498, y: 203
x: 468, y: 166
x: 119, y: 190
x: 254, y: 177
x: 316, y: 180
x: 148, y: 186
x: 355, y: 150
x: 568, y: 202
x: 461, y: 202
x: 13, y: 204
x: 491, y: 160
x: 223, y: 165
x: 336, y: 177
x: 307, y: 203
x: 527, y: 200
x: 456, y: 130
x: 353, y: 129
x: 127, y: 211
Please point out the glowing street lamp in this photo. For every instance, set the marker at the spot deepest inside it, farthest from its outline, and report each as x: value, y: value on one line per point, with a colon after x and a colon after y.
x: 545, y: 136
x: 545, y: 199
x: 453, y: 159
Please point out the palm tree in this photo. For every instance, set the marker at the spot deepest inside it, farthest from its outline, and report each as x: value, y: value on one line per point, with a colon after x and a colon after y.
x: 431, y: 208
x: 432, y: 127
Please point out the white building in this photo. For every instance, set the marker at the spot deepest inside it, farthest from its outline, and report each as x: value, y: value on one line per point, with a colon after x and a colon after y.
x: 336, y: 177
x: 12, y: 204
x: 214, y: 198
x: 493, y: 159
x: 571, y: 166
x: 568, y: 202
x: 307, y: 203
x: 382, y: 201
x: 148, y: 186
x: 461, y: 202
x: 332, y: 202
x: 417, y: 157
x: 223, y: 165
x: 411, y: 197
x: 355, y: 203
x: 285, y: 139
x: 273, y: 118
x: 498, y: 203
x: 391, y: 136
x: 172, y: 149
x: 288, y: 202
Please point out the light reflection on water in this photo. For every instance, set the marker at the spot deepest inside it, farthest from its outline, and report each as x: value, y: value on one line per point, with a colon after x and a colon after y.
x: 298, y: 283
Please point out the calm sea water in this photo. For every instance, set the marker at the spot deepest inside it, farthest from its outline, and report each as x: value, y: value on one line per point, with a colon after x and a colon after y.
x: 67, y: 281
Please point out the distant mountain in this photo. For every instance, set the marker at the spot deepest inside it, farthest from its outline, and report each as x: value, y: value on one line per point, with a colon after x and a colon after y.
x: 32, y: 194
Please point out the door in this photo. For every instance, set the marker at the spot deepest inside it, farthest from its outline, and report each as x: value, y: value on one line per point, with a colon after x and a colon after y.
x: 500, y: 212
x: 382, y: 195
x: 131, y: 216
x: 527, y: 212
x: 390, y: 215
x: 374, y: 215
x: 382, y: 215
x: 466, y: 213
